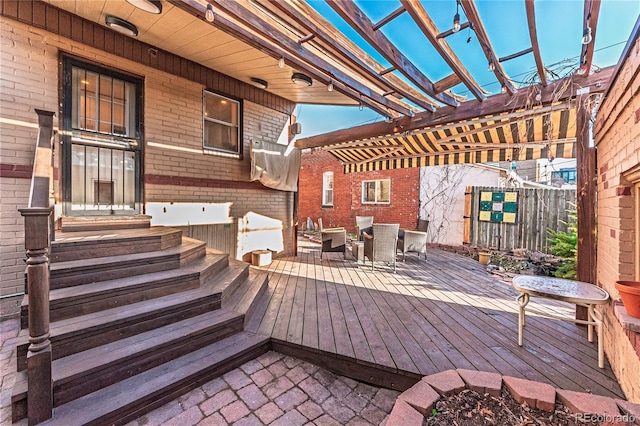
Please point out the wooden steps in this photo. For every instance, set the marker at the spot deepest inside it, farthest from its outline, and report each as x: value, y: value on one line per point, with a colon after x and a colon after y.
x: 102, y: 223
x: 138, y: 306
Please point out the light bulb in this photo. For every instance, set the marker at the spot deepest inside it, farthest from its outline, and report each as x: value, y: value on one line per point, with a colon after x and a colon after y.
x: 330, y: 86
x: 503, y: 89
x: 281, y: 62
x: 492, y: 66
x: 586, y: 35
x: 209, y: 15
x: 456, y: 23
x: 361, y: 107
x: 538, y: 96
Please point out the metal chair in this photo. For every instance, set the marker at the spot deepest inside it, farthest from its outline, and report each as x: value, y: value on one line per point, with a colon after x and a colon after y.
x: 382, y: 245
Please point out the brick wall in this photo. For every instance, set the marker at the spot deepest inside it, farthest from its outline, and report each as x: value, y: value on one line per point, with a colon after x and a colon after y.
x: 347, y: 194
x: 617, y: 136
x: 173, y: 106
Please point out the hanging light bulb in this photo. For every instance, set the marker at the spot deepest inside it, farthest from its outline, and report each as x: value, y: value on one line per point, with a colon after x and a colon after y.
x: 209, y: 15
x: 586, y: 35
x: 330, y: 86
x: 503, y: 89
x: 456, y: 23
x: 492, y: 66
x: 538, y: 96
x: 281, y: 62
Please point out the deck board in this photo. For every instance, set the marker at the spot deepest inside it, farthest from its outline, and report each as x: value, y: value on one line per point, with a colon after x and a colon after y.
x: 447, y: 312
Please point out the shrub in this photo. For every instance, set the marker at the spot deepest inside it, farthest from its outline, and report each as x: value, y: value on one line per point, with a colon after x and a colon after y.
x: 564, y: 245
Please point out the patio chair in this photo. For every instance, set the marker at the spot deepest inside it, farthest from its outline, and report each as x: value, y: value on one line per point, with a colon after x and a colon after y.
x: 412, y: 241
x: 382, y: 245
x: 363, y: 222
x: 334, y: 240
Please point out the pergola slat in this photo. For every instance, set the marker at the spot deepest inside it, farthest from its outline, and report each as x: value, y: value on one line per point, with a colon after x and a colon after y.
x: 533, y: 34
x: 591, y: 12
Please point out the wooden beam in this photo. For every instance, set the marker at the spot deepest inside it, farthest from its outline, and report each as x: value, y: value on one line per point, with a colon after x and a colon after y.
x: 390, y: 17
x: 515, y: 55
x: 273, y: 42
x: 447, y: 83
x: 591, y: 12
x: 350, y: 12
x: 533, y: 35
x: 351, y: 54
x: 473, y: 16
x: 585, y: 194
x: 429, y: 29
x: 306, y: 38
x: 556, y: 91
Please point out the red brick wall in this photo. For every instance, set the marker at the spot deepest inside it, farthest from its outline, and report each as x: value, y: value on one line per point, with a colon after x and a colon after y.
x: 617, y: 137
x: 347, y: 194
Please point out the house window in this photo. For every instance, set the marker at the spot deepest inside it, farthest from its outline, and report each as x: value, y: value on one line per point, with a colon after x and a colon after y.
x: 221, y: 123
x: 327, y: 189
x: 376, y: 191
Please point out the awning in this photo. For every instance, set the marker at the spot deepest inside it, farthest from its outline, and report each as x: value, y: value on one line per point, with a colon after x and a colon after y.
x: 525, y: 134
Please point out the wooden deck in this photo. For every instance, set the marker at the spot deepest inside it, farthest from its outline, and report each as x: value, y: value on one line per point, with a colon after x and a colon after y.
x: 392, y: 328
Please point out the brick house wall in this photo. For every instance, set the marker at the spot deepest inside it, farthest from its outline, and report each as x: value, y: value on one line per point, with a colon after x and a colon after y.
x: 617, y: 137
x: 347, y: 195
x: 172, y: 115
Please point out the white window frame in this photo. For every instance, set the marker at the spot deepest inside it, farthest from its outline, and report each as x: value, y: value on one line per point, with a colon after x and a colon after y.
x: 377, y: 181
x: 215, y: 149
x: 327, y: 177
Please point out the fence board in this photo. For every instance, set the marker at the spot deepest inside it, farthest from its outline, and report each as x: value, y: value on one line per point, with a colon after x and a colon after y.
x: 539, y: 210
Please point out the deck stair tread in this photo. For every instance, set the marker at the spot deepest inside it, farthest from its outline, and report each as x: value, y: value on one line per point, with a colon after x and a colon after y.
x: 227, y: 285
x: 76, y: 272
x: 93, y: 244
x: 246, y: 297
x: 154, y: 387
x: 135, y: 353
x: 101, y: 223
x: 80, y: 296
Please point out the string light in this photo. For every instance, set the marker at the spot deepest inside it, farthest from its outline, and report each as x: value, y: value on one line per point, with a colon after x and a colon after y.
x: 330, y: 86
x: 586, y: 35
x: 503, y: 89
x: 281, y: 62
x: 456, y: 18
x: 209, y: 15
x: 492, y: 66
x: 538, y: 96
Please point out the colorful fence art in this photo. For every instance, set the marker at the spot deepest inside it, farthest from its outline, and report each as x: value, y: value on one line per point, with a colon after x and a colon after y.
x: 498, y: 206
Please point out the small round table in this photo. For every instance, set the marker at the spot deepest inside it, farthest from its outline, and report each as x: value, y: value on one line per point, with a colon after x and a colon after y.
x: 576, y: 292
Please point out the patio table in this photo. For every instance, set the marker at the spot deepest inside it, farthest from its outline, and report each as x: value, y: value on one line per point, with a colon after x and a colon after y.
x: 576, y: 292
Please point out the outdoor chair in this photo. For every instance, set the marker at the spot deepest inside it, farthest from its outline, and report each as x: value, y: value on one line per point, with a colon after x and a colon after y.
x: 363, y: 222
x: 412, y: 241
x: 382, y: 245
x: 334, y: 240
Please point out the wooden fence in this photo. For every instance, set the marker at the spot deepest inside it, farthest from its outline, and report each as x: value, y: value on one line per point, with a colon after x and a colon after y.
x: 538, y: 211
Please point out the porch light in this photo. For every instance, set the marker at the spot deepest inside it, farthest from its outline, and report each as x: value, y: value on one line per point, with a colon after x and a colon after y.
x: 209, y: 15
x: 301, y: 79
x: 151, y: 6
x: 586, y: 35
x: 121, y: 26
x: 260, y: 83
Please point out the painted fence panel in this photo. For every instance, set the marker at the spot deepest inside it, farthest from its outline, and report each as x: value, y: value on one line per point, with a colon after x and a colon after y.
x: 538, y: 211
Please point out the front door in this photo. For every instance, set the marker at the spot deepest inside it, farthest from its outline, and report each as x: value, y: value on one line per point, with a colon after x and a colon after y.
x: 102, y: 142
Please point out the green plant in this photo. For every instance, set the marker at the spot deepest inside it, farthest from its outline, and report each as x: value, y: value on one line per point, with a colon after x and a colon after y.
x: 564, y: 245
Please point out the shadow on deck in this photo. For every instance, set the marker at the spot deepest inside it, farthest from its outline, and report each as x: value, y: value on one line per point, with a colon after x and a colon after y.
x: 390, y: 329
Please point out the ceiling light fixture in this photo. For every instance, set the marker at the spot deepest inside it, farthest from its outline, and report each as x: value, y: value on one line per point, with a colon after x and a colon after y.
x: 330, y: 86
x: 121, y: 26
x: 151, y: 6
x: 260, y: 83
x: 209, y: 15
x: 456, y: 18
x: 301, y: 79
x: 281, y: 62
x: 586, y: 35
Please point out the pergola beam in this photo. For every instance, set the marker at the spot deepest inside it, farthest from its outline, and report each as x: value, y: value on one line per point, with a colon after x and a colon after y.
x: 515, y: 55
x: 473, y: 16
x: 533, y: 35
x: 390, y: 17
x: 591, y: 12
x: 429, y: 29
x: 352, y: 14
x: 447, y: 83
x: 349, y: 52
x: 556, y: 91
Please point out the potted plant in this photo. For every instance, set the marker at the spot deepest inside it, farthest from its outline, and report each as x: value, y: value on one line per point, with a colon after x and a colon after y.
x: 630, y: 295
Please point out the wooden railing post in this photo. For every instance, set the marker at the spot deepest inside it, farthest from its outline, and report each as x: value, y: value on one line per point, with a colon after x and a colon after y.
x: 37, y: 243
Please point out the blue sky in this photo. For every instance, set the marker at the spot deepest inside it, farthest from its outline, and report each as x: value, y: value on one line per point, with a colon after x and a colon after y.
x: 559, y: 33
